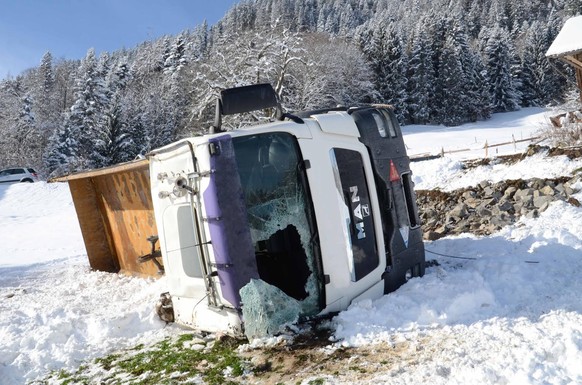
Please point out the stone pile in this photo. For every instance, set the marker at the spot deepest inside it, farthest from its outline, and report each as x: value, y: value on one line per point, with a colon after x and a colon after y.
x: 488, y: 207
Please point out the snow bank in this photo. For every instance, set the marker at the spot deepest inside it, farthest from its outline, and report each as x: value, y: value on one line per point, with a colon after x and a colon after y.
x: 448, y: 174
x: 510, y: 313
x: 54, y: 311
x: 37, y: 223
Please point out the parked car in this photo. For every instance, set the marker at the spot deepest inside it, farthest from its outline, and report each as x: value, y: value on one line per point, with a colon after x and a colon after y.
x: 18, y: 174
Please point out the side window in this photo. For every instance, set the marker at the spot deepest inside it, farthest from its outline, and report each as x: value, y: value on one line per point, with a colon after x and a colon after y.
x: 385, y: 123
x: 354, y: 199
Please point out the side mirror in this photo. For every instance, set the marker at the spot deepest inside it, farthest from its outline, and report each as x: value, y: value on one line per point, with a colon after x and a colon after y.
x: 244, y: 99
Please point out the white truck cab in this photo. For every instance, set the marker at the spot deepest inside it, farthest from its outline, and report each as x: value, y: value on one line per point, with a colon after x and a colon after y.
x: 285, y: 221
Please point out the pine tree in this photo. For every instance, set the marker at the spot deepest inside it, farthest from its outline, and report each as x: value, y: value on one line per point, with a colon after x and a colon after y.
x: 421, y: 79
x: 387, y: 59
x: 25, y: 135
x: 573, y: 7
x: 114, y: 144
x: 438, y: 28
x: 504, y: 96
x: 451, y: 85
x: 177, y: 57
x: 46, y: 106
x: 475, y: 101
x: 82, y: 123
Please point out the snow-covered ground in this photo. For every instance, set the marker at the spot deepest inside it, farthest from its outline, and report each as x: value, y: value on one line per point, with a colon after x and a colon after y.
x: 510, y: 313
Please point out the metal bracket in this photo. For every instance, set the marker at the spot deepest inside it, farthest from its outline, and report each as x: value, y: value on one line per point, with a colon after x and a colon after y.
x: 153, y: 255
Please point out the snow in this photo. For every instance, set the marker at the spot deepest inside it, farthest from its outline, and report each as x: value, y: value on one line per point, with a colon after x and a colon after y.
x: 568, y: 40
x: 448, y: 174
x: 505, y: 309
x: 468, y: 141
x: 54, y: 311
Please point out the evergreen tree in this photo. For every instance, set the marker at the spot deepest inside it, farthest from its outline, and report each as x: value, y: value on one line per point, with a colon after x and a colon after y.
x: 451, y: 85
x: 25, y: 134
x: 82, y: 122
x: 318, y: 67
x: 421, y: 79
x: 504, y: 95
x: 573, y: 7
x: 438, y: 27
x: 176, y: 58
x: 387, y: 59
x: 113, y: 142
x: 473, y: 83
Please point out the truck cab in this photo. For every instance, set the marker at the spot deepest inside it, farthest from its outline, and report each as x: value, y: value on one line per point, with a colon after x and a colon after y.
x: 284, y: 221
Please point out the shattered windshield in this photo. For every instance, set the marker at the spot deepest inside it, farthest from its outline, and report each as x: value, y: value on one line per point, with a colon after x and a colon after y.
x: 280, y: 218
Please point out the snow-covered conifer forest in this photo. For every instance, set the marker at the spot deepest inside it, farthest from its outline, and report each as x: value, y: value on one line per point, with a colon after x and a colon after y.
x: 437, y: 61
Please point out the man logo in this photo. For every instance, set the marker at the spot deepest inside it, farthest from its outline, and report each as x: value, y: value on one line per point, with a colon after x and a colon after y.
x: 360, y: 211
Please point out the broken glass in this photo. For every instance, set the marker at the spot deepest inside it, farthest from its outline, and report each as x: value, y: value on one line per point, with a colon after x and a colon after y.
x: 281, y: 222
x: 266, y: 309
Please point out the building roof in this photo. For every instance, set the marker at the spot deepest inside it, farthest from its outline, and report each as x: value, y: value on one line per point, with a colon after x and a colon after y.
x: 569, y: 40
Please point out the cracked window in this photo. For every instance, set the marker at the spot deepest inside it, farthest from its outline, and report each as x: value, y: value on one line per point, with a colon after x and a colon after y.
x: 280, y: 217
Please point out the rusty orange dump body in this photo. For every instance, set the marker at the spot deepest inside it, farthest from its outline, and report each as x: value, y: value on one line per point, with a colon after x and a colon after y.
x: 115, y: 211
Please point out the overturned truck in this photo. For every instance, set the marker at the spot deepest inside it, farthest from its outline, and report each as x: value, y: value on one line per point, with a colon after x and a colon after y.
x: 279, y: 222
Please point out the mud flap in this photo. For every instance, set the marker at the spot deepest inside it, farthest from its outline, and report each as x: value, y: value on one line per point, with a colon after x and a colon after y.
x: 406, y: 264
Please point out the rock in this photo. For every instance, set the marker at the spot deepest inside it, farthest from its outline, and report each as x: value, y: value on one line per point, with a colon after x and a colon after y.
x: 542, y: 202
x: 521, y: 194
x: 472, y: 202
x: 489, y: 206
x: 432, y: 235
x: 532, y: 214
x: 509, y: 192
x: 462, y: 227
x: 488, y: 229
x: 536, y: 183
x: 483, y: 211
x: 459, y: 212
x: 489, y: 202
x: 506, y: 206
x: 470, y: 194
x: 547, y: 190
x: 488, y: 191
x: 499, y: 220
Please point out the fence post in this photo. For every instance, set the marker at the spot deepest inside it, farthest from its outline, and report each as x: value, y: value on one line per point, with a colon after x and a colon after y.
x: 486, y: 149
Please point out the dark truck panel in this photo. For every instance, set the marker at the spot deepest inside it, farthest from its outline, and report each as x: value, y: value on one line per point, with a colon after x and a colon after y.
x: 381, y: 134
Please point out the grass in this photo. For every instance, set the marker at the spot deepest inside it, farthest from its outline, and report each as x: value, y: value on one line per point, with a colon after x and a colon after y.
x: 171, y: 361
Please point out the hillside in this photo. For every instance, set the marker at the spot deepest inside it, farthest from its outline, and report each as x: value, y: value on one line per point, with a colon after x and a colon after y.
x: 437, y: 62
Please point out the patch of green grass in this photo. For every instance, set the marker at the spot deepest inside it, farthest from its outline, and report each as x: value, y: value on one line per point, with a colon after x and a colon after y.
x: 166, y: 362
x: 357, y: 369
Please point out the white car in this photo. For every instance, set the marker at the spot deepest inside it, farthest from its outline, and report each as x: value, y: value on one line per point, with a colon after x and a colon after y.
x: 18, y: 174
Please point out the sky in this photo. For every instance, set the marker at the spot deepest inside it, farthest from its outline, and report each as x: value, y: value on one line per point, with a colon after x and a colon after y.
x: 68, y: 28
x: 509, y: 313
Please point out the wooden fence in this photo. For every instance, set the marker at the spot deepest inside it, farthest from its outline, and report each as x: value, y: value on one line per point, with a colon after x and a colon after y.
x: 486, y: 147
